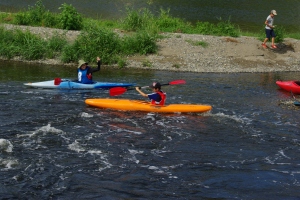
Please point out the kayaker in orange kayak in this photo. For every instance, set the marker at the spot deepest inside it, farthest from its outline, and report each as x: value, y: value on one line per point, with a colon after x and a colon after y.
x: 158, y: 97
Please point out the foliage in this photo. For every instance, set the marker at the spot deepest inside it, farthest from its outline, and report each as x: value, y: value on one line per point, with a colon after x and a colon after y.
x: 29, y: 46
x: 70, y: 19
x: 167, y: 23
x: 96, y: 41
x: 142, y: 43
x: 137, y: 20
x: 222, y: 28
x: 198, y: 43
x: 33, y: 16
x: 98, y: 37
x: 50, y: 20
x: 69, y: 53
x: 121, y: 62
x: 279, y: 32
x: 146, y: 63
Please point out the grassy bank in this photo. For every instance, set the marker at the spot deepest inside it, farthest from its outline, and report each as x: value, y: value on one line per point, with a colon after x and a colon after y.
x: 140, y: 31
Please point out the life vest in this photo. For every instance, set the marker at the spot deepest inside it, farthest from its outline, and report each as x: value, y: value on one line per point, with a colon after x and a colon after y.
x: 83, y: 77
x: 163, y: 97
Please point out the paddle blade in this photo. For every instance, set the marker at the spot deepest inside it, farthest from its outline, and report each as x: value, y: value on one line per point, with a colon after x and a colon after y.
x: 115, y: 91
x: 177, y: 82
x: 57, y: 81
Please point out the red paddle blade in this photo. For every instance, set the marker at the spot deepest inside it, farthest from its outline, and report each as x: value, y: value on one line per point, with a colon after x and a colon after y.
x: 57, y: 81
x: 177, y: 82
x: 115, y: 91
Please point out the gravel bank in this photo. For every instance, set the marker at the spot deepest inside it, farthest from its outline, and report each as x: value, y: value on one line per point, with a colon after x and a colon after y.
x: 222, y: 54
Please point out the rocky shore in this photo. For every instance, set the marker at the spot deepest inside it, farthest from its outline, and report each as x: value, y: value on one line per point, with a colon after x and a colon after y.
x: 222, y: 54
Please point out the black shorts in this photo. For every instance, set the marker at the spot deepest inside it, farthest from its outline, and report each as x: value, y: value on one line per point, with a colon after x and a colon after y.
x: 270, y: 33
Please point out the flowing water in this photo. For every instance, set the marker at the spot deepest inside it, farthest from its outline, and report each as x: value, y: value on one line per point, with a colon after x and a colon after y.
x: 53, y: 146
x: 250, y: 15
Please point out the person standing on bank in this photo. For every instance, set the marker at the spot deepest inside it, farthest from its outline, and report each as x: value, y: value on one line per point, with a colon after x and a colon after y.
x: 85, y: 72
x: 158, y: 97
x: 270, y: 30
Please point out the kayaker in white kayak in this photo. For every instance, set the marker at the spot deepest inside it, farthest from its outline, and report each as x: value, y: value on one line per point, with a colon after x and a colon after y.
x: 85, y: 72
x: 158, y: 97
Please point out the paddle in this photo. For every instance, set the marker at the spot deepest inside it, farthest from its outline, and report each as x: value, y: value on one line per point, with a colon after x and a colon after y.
x: 120, y: 90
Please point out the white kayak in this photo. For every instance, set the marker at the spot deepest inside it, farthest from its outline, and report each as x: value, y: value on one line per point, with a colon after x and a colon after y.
x: 69, y: 84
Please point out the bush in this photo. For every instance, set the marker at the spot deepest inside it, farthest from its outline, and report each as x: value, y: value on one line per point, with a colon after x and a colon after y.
x: 222, y: 28
x: 33, y: 16
x: 29, y: 46
x: 50, y: 20
x: 70, y: 53
x: 167, y: 23
x: 70, y: 19
x: 279, y: 32
x: 97, y: 41
x: 55, y: 45
x: 137, y: 20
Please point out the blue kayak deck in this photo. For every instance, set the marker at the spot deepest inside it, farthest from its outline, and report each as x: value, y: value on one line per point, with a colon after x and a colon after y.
x: 69, y: 84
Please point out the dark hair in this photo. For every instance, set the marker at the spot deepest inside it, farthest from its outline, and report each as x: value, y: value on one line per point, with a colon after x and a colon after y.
x: 155, y: 85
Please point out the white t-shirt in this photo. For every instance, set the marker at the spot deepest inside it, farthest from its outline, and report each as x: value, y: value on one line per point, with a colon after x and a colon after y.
x: 270, y: 21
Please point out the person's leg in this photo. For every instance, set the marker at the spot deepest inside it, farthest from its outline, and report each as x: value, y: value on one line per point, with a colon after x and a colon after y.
x: 273, y: 43
x: 273, y: 40
x: 266, y: 39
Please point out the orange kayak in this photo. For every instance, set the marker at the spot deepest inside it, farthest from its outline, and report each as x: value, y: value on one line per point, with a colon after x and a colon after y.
x: 137, y: 105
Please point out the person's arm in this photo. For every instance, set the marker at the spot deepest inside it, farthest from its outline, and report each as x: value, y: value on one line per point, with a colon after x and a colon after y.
x: 142, y: 93
x: 267, y: 23
x: 99, y: 62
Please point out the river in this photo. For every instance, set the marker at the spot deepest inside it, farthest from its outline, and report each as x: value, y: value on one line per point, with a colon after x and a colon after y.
x: 53, y: 146
x: 250, y: 15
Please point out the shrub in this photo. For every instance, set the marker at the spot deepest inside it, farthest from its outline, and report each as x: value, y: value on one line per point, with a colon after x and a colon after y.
x: 70, y: 53
x: 121, y: 62
x: 50, y: 20
x: 167, y: 23
x: 70, y: 19
x: 22, y: 18
x: 33, y: 16
x: 142, y: 43
x: 138, y: 20
x: 55, y: 45
x: 222, y: 28
x: 279, y: 32
x: 36, y: 12
x: 99, y: 41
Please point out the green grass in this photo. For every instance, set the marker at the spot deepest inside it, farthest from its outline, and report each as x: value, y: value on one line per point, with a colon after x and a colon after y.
x: 140, y: 30
x: 29, y: 46
x: 197, y: 43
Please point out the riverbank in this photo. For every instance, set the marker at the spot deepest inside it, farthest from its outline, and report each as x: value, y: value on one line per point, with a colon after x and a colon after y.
x: 177, y: 52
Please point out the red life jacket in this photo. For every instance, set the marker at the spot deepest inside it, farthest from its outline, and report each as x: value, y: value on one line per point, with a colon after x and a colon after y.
x: 163, y: 97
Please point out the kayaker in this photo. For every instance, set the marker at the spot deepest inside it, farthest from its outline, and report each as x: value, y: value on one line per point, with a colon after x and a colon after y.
x: 158, y: 97
x: 85, y: 72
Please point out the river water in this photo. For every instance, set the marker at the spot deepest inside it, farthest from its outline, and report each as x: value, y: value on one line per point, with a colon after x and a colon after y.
x: 53, y: 146
x: 250, y: 15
